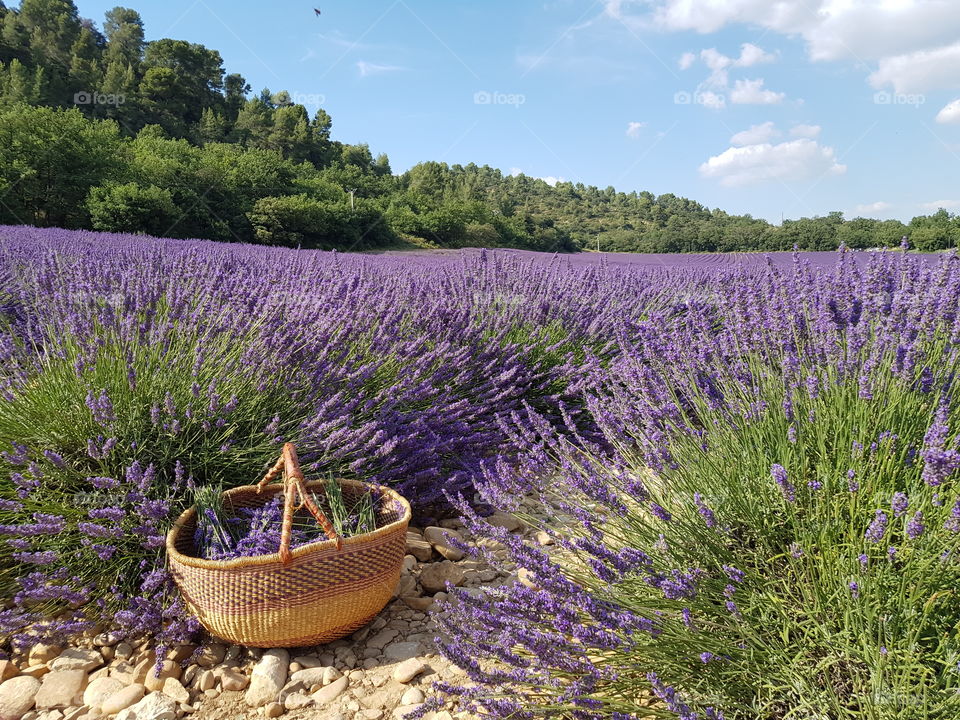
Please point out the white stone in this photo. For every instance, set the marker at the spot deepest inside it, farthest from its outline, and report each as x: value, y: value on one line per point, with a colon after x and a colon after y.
x: 295, y: 701
x: 8, y: 670
x: 413, y: 696
x: 330, y: 674
x: 506, y: 521
x: 233, y: 680
x: 331, y: 692
x: 99, y: 690
x: 211, y: 655
x: 60, y: 689
x: 168, y: 669
x: 155, y: 706
x: 419, y: 548
x: 434, y: 577
x: 17, y: 696
x: 173, y: 688
x: 42, y: 653
x: 77, y: 659
x: 408, y: 670
x: 308, y: 677
x: 269, y: 677
x: 122, y: 699
x: 438, y: 537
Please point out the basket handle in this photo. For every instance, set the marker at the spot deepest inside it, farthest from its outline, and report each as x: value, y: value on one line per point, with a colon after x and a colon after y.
x: 295, y: 484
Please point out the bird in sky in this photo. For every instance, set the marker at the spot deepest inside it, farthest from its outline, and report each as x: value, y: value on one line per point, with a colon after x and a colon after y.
x: 317, y: 12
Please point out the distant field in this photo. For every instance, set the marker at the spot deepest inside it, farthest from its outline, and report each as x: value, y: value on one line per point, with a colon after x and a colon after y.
x: 705, y: 261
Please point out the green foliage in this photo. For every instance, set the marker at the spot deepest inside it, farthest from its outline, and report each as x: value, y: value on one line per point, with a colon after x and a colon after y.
x: 48, y: 55
x: 49, y: 161
x: 298, y: 220
x: 171, y: 361
x: 132, y: 208
x: 826, y: 622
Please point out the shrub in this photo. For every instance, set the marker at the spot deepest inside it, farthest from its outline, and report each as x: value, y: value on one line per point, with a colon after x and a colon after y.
x: 775, y: 532
x: 136, y: 369
x: 132, y: 208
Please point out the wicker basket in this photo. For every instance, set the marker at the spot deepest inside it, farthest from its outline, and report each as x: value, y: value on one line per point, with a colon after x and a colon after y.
x: 311, y: 595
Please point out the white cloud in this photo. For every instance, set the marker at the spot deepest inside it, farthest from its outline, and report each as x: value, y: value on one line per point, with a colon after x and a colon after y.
x: 686, y: 60
x: 950, y: 113
x: 872, y: 208
x: 366, y: 69
x: 634, y: 128
x: 805, y: 131
x: 937, y: 204
x: 755, y: 135
x: 751, y: 92
x: 719, y: 64
x: 920, y: 71
x: 913, y: 42
x: 832, y: 29
x: 751, y: 55
x: 551, y: 180
x: 799, y: 159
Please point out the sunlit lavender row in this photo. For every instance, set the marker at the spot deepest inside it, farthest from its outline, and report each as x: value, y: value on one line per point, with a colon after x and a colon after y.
x: 722, y: 446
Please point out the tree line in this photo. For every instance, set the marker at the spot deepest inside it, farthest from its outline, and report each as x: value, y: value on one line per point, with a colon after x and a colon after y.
x: 101, y: 129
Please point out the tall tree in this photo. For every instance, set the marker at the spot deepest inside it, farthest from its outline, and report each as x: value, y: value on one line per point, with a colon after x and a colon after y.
x: 86, y: 72
x: 182, y: 77
x: 235, y: 89
x: 125, y: 39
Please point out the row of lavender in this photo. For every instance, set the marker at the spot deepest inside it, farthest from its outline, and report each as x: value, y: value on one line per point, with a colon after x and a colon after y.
x: 135, y: 371
x: 760, y: 461
x: 771, y: 526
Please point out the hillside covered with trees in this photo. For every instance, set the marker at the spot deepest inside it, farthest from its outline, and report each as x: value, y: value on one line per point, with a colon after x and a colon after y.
x: 101, y: 129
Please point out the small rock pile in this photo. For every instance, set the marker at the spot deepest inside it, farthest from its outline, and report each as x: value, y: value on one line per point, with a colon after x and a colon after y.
x: 383, y: 671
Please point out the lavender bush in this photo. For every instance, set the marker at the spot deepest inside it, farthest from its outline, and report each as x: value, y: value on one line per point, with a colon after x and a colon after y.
x: 775, y: 532
x: 136, y: 370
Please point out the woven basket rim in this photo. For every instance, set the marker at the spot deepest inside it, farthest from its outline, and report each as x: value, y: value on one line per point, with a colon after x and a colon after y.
x: 257, y: 560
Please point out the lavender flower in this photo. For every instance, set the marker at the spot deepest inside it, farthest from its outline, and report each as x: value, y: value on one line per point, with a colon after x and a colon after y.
x: 779, y: 475
x: 915, y: 527
x: 878, y: 528
x: 899, y: 504
x: 705, y: 512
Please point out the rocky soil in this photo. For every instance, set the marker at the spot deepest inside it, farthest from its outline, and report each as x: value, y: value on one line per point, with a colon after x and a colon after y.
x: 382, y: 671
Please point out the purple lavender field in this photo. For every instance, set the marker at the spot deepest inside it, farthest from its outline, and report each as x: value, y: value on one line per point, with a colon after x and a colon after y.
x: 747, y: 465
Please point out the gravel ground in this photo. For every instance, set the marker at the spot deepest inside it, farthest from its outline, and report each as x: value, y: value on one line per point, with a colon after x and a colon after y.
x: 382, y: 671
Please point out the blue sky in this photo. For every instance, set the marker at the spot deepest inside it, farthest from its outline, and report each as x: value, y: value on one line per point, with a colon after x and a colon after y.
x: 794, y: 107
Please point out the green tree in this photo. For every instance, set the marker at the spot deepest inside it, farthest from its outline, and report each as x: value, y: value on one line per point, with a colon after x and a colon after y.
x: 20, y: 85
x: 132, y: 208
x: 123, y: 28
x: 235, y: 90
x: 49, y: 160
x: 180, y: 79
x: 85, y: 70
x: 213, y: 126
x: 120, y: 82
x: 290, y: 133
x: 254, y: 123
